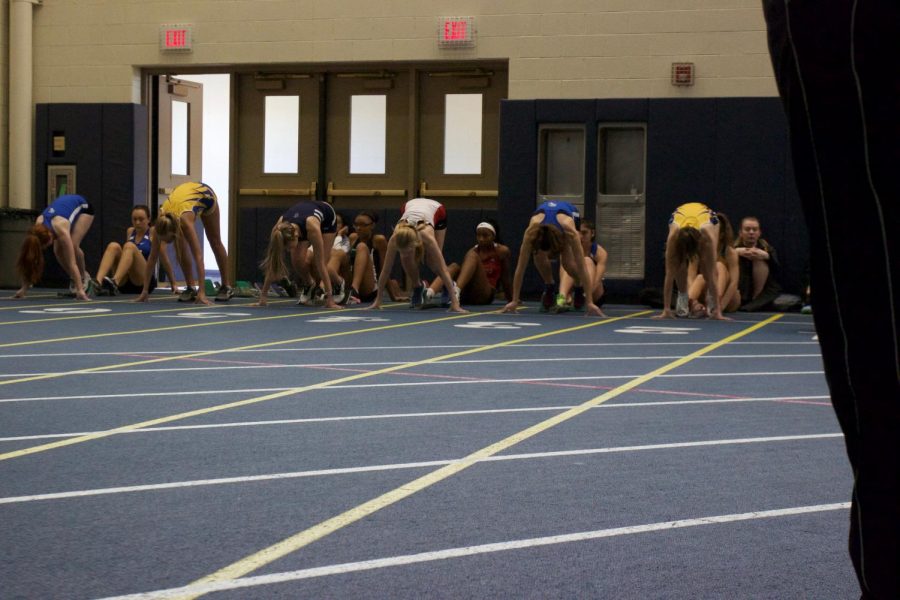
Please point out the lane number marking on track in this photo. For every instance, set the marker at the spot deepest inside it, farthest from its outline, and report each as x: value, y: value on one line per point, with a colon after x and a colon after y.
x: 348, y: 319
x: 66, y: 310
x: 651, y: 330
x: 495, y: 325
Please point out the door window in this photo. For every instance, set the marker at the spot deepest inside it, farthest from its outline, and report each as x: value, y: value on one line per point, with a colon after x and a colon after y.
x: 282, y: 135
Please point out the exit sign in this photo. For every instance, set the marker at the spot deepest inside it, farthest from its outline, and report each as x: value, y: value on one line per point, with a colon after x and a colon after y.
x: 456, y: 32
x: 175, y: 38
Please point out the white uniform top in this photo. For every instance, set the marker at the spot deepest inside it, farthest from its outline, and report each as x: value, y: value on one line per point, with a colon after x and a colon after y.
x: 421, y: 210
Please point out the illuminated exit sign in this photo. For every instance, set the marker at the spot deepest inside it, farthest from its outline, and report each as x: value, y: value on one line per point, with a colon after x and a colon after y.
x: 175, y: 38
x: 456, y: 32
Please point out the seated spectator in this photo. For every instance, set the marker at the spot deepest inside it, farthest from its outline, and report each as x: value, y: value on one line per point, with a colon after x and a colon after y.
x: 366, y: 257
x: 758, y: 284
x: 484, y: 268
x: 122, y: 266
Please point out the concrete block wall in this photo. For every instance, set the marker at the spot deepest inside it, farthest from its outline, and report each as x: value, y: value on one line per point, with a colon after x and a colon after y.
x: 88, y: 50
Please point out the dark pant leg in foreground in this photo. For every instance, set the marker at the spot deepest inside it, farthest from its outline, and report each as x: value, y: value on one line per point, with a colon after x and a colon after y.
x: 837, y: 64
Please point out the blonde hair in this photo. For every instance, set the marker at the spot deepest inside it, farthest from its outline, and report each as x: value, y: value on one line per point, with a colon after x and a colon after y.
x: 282, y: 234
x: 407, y: 235
x: 168, y: 226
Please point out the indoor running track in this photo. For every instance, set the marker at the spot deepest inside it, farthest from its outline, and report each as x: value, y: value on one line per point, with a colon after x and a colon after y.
x: 173, y: 451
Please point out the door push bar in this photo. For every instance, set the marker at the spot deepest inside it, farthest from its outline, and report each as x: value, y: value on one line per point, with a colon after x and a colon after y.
x: 424, y: 192
x: 309, y: 191
x: 332, y: 192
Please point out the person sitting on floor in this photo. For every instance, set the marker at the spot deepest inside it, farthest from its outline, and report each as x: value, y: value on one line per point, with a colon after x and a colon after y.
x: 122, y: 266
x: 758, y: 262
x: 367, y: 251
x: 484, y: 268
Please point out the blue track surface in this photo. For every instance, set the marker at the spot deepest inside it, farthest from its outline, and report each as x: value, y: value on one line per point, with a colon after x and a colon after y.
x: 146, y: 447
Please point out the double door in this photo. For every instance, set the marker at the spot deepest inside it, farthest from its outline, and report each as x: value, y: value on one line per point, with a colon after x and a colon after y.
x: 369, y: 138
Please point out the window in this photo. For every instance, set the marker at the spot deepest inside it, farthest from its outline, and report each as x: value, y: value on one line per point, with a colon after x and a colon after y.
x: 462, y: 134
x: 180, y: 128
x: 281, y: 153
x: 368, y: 134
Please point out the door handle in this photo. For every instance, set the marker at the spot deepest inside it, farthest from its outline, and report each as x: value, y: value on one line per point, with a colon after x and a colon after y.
x: 424, y: 192
x: 352, y: 192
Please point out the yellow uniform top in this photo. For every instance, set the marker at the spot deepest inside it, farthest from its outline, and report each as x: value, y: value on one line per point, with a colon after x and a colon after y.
x: 693, y: 214
x: 193, y: 197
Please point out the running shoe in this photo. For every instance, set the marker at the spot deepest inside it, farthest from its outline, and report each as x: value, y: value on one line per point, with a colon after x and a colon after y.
x: 417, y: 297
x: 224, y: 293
x: 304, y: 295
x: 682, y: 305
x: 548, y: 298
x: 578, y: 298
x: 318, y: 296
x: 109, y: 284
x: 445, y: 296
x: 188, y: 294
x: 342, y: 293
x: 90, y: 287
x: 289, y: 286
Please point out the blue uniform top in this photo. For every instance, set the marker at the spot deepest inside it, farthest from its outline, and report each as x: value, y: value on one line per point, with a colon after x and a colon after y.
x: 304, y: 209
x: 69, y: 207
x: 143, y: 245
x: 551, y: 208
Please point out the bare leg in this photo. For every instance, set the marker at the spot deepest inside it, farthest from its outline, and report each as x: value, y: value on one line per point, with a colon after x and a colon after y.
x: 437, y: 285
x: 214, y: 237
x: 543, y: 266
x: 760, y: 276
x: 79, y: 230
x: 363, y: 270
x: 473, y: 281
x: 126, y: 265
x: 109, y: 260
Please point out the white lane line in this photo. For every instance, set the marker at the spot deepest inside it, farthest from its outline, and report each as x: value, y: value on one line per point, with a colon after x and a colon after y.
x: 450, y: 553
x: 415, y: 415
x: 370, y: 348
x: 221, y: 367
x: 415, y: 465
x: 334, y: 387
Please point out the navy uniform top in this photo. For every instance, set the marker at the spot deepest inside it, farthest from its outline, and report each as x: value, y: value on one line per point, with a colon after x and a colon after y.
x: 305, y: 209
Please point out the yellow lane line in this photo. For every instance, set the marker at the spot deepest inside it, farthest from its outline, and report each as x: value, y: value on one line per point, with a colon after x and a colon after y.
x: 316, y: 532
x: 296, y: 390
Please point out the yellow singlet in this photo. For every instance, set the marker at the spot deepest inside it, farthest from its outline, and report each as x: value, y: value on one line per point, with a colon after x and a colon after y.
x: 693, y: 214
x: 193, y: 197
